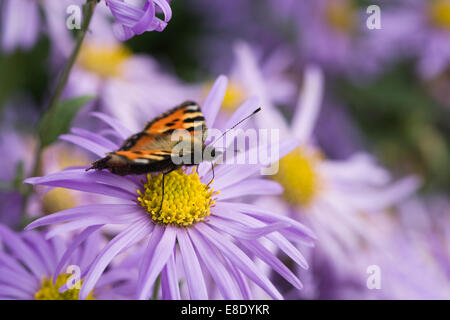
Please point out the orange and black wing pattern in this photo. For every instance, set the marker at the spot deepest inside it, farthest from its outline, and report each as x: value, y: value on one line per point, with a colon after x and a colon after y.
x: 151, y: 149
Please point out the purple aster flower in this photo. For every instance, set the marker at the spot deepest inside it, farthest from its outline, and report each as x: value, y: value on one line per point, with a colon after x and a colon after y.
x: 15, y: 33
x: 206, y: 231
x: 331, y: 33
x: 35, y: 268
x: 419, y: 29
x: 19, y: 149
x: 275, y: 68
x: 132, y: 20
x: 335, y: 197
x: 129, y: 86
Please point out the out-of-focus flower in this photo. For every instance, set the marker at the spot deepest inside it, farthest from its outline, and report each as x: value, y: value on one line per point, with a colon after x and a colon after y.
x: 414, y: 259
x: 333, y: 197
x: 275, y: 69
x: 16, y: 33
x: 331, y: 33
x: 132, y: 20
x: 32, y: 268
x: 419, y: 29
x: 131, y: 87
x: 19, y: 150
x: 213, y: 234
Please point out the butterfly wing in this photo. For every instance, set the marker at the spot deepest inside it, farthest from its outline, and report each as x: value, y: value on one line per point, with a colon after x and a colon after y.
x: 151, y: 149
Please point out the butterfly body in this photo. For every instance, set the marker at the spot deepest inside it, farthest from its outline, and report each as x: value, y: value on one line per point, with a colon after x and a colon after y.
x: 152, y: 149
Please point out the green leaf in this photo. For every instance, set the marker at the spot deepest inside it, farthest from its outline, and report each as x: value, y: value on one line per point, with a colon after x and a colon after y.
x: 57, y: 121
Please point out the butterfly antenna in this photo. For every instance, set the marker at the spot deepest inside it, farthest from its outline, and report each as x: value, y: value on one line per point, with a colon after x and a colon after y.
x: 239, y: 122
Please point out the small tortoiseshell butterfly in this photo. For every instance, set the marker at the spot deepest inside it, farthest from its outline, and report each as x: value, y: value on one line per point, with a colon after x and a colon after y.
x: 151, y: 149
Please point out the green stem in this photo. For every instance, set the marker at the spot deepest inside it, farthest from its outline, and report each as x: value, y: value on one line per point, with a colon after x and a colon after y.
x: 88, y: 12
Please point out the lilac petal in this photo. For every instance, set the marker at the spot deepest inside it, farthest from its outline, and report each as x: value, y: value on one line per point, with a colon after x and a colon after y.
x: 308, y: 106
x: 23, y: 252
x: 84, y: 223
x: 42, y: 248
x: 14, y: 292
x: 276, y: 237
x: 377, y: 200
x: 16, y: 280
x: 114, y: 276
x: 244, y: 231
x: 95, y: 138
x: 244, y: 110
x: 155, y: 238
x: 163, y: 251
x: 103, y: 177
x: 214, y: 100
x: 269, y: 117
x: 85, y: 143
x: 271, y: 260
x: 264, y: 215
x: 167, y: 11
x: 169, y: 280
x: 15, y: 33
x: 240, y: 279
x: 221, y: 276
x: 74, y: 244
x: 122, y: 32
x: 124, y: 13
x: 251, y: 187
x: 146, y: 19
x: 239, y: 173
x: 82, y: 212
x: 9, y: 262
x: 112, y: 249
x: 97, y: 182
x: 192, y: 268
x: 238, y: 258
x: 113, y: 123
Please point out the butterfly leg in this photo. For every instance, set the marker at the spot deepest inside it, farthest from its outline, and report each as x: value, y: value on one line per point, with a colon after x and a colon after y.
x: 212, y: 168
x: 162, y: 186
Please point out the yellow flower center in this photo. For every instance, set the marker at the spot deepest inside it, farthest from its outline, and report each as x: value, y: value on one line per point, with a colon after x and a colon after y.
x: 58, y: 199
x: 298, y: 176
x: 104, y: 60
x: 234, y: 96
x: 49, y: 291
x: 440, y: 13
x: 186, y: 199
x: 341, y: 15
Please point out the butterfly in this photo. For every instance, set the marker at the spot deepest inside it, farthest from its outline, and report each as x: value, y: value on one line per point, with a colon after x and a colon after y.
x: 152, y: 149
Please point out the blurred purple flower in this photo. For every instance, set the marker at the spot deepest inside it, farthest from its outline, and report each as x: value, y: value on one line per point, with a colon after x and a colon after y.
x: 130, y: 87
x: 334, y: 197
x: 19, y: 149
x: 16, y: 33
x: 204, y: 245
x: 32, y: 268
x: 331, y: 33
x: 132, y: 20
x: 419, y: 29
